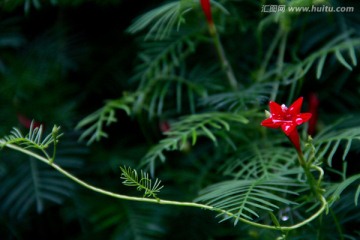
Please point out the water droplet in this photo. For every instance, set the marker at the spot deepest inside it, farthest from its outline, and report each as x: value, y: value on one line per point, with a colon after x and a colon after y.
x: 284, y: 214
x: 284, y: 218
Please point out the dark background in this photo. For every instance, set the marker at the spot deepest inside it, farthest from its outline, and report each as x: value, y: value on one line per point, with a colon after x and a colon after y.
x: 60, y: 62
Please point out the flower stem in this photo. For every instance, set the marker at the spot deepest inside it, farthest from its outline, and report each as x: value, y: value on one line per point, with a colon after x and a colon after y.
x: 167, y: 202
x: 99, y: 190
x: 313, y: 184
x: 222, y: 56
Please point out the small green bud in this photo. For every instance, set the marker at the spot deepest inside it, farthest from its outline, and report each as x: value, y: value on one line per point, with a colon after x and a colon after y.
x: 267, y: 114
x: 55, y: 130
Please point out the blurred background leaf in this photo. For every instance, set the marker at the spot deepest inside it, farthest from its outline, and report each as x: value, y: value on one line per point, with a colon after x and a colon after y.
x: 61, y: 60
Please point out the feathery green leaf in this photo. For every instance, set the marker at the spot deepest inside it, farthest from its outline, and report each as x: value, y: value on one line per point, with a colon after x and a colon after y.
x: 95, y: 122
x: 191, y: 127
x: 247, y: 198
x: 142, y: 182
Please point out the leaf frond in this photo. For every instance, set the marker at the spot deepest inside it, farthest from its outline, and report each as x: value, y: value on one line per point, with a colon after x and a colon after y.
x: 161, y: 58
x: 162, y: 19
x: 331, y: 138
x: 341, y: 43
x: 33, y: 139
x: 131, y: 178
x: 191, y: 127
x: 154, y: 100
x: 105, y: 116
x: 240, y: 100
x: 247, y: 198
x: 336, y: 190
x: 33, y: 186
x: 254, y: 162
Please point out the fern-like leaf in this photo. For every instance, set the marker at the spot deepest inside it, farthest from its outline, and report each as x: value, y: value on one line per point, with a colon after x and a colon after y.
x: 246, y: 198
x: 33, y: 185
x: 159, y: 59
x: 330, y: 139
x: 155, y: 101
x: 162, y: 19
x: 95, y: 122
x: 343, y: 42
x: 142, y: 182
x: 239, y: 100
x: 31, y: 140
x: 336, y: 190
x: 34, y: 139
x: 125, y: 220
x: 254, y: 162
x: 191, y: 127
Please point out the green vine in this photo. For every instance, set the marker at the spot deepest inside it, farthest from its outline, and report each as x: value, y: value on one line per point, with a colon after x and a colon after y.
x: 131, y: 178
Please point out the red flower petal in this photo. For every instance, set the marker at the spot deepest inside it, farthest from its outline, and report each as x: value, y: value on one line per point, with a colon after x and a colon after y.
x: 288, y: 128
x: 275, y: 108
x: 296, y: 106
x: 302, y: 118
x: 270, y: 124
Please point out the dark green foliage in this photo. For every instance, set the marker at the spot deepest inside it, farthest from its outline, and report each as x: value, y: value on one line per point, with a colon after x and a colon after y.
x: 335, y: 135
x: 33, y: 184
x: 143, y: 85
x: 244, y: 198
x: 131, y: 221
x: 253, y: 162
x: 189, y: 129
x: 104, y: 116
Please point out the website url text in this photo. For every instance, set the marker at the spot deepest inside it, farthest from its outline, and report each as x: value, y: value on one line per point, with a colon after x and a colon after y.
x: 313, y: 8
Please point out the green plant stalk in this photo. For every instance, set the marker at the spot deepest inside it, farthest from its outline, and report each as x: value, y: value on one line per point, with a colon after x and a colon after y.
x: 222, y: 56
x: 99, y: 190
x: 337, y: 224
x: 313, y: 183
x: 164, y: 202
x: 268, y: 55
x: 55, y: 132
x: 280, y: 64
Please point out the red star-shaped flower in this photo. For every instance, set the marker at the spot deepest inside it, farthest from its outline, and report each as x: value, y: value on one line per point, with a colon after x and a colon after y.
x: 287, y: 119
x: 205, y: 4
